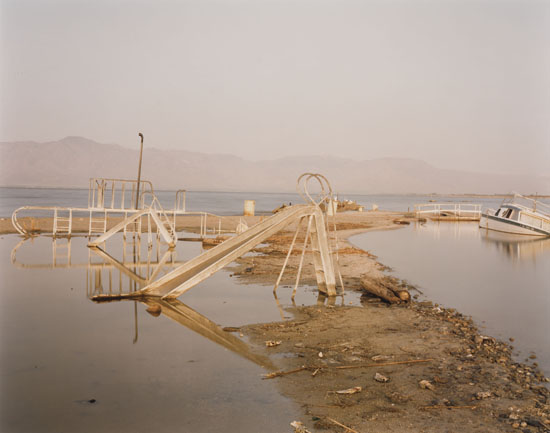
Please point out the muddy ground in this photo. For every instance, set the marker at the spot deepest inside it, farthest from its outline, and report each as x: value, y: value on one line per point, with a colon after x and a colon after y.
x: 436, y: 373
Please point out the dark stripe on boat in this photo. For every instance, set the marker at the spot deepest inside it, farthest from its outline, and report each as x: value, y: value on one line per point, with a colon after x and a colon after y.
x: 525, y: 226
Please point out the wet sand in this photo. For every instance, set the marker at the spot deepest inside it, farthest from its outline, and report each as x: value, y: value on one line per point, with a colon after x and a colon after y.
x: 437, y: 372
x: 473, y: 384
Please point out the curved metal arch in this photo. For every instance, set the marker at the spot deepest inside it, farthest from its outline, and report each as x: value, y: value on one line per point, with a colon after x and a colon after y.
x: 302, y: 188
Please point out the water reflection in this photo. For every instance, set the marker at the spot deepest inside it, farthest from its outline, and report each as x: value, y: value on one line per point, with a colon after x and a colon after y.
x: 105, y: 282
x: 191, y: 319
x: 139, y: 263
x: 515, y: 247
x: 449, y: 230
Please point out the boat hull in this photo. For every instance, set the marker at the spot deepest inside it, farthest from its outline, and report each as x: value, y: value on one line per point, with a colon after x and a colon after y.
x: 492, y: 222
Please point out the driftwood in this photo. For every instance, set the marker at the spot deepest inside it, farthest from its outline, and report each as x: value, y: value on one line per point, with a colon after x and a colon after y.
x: 380, y: 291
x: 383, y: 364
x: 388, y: 292
x: 403, y: 294
x: 442, y: 406
x: 341, y: 425
x: 399, y: 291
x: 342, y: 367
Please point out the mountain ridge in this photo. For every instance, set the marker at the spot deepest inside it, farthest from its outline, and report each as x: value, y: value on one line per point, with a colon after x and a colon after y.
x: 31, y: 163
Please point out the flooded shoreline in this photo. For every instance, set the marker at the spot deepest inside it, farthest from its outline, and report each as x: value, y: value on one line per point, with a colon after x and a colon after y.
x: 144, y: 385
x: 501, y: 280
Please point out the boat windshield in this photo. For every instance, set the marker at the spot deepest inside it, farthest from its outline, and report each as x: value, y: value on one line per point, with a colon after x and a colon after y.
x: 529, y: 203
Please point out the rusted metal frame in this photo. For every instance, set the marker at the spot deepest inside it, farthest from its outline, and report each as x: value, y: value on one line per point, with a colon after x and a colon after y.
x: 317, y: 262
x: 55, y: 222
x: 327, y: 266
x: 149, y: 232
x: 336, y: 260
x: 168, y: 237
x: 287, y: 256
x: 160, y: 264
x: 181, y: 274
x: 227, y: 258
x: 70, y: 221
x: 117, y: 228
x: 299, y: 272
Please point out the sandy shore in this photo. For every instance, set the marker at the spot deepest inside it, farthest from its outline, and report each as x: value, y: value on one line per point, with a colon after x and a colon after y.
x: 436, y: 373
x: 465, y: 382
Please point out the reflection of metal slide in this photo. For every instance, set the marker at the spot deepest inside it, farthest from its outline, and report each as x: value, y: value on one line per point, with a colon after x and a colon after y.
x: 186, y: 316
x: 174, y: 310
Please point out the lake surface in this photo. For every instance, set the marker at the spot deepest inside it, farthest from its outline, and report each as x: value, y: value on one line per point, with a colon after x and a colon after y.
x: 501, y: 280
x: 69, y: 364
x: 221, y: 203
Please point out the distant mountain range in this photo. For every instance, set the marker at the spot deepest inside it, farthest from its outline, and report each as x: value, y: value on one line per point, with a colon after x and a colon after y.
x: 70, y: 162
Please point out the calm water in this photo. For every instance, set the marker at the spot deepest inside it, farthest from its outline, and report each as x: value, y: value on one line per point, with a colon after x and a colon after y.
x: 502, y: 281
x: 177, y: 372
x: 222, y: 203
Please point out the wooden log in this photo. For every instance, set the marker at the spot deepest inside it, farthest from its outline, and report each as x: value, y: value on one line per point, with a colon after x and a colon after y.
x: 379, y: 290
x: 400, y: 292
x: 403, y: 294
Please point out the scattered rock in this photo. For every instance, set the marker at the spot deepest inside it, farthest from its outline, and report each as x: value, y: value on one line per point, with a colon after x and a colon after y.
x: 272, y: 343
x: 483, y: 394
x: 299, y: 427
x: 377, y: 358
x: 349, y: 390
x: 154, y: 310
x: 381, y: 378
x: 396, y: 397
x: 424, y: 384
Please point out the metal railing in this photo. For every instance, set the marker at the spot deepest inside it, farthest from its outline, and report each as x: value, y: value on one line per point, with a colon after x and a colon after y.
x: 457, y: 210
x: 115, y: 193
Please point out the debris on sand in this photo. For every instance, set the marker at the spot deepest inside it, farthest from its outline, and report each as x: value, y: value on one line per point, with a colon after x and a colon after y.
x: 299, y: 427
x: 349, y: 390
x: 381, y: 378
x: 424, y: 384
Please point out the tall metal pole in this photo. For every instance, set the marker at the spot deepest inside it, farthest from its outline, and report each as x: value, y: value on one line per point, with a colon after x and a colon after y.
x: 139, y: 170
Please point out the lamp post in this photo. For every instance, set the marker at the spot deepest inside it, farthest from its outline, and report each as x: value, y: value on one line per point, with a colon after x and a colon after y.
x: 139, y: 170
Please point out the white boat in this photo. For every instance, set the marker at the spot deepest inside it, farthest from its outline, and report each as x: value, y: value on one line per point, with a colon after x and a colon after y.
x: 520, y: 215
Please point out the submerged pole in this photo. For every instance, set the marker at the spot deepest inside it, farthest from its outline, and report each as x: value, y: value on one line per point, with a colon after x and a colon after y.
x: 139, y: 170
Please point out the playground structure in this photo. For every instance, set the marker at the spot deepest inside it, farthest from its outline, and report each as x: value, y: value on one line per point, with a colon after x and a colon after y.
x: 113, y: 200
x: 142, y: 213
x: 150, y: 274
x: 325, y: 258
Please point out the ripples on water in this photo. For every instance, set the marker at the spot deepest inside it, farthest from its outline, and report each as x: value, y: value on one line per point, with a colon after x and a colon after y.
x: 501, y: 280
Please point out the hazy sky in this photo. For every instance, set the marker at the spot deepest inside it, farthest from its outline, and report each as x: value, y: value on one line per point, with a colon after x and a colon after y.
x: 459, y: 84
